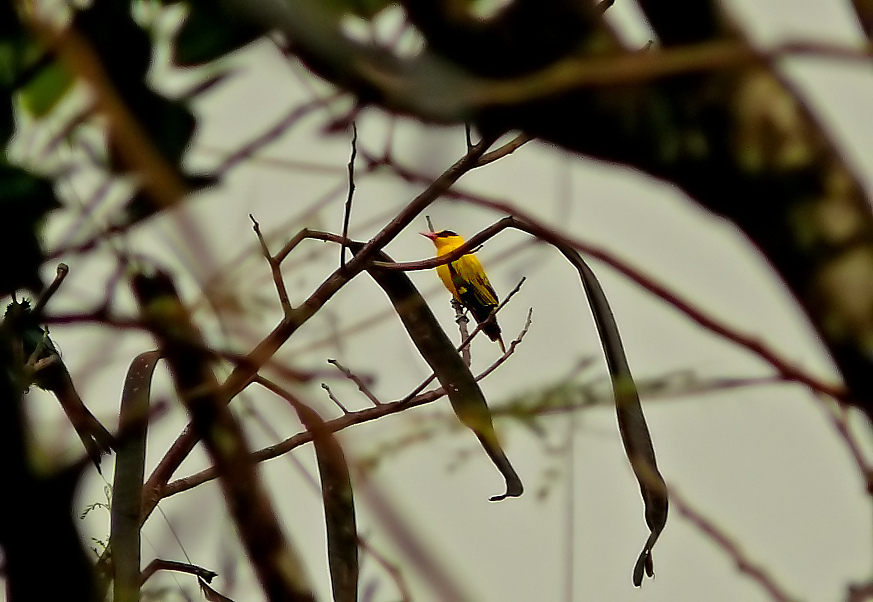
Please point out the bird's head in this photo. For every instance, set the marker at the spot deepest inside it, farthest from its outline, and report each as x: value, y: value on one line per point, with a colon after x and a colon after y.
x: 444, y: 239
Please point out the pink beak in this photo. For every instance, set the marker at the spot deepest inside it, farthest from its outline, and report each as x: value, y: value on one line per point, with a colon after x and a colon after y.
x: 430, y: 235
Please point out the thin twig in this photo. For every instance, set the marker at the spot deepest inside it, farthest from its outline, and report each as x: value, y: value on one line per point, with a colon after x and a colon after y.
x: 466, y: 342
x: 493, y: 314
x: 272, y: 134
x: 348, y: 210
x: 180, y: 567
x: 275, y: 269
x: 511, y: 349
x: 362, y: 386
x: 334, y: 399
x: 507, y: 149
x: 839, y: 415
x: 62, y: 271
x: 389, y: 567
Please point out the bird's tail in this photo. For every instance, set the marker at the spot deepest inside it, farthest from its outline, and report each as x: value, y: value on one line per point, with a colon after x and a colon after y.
x: 492, y: 331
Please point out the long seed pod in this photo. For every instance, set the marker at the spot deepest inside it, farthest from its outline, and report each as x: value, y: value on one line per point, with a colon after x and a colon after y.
x: 337, y: 495
x: 124, y: 534
x: 437, y: 349
x: 629, y: 412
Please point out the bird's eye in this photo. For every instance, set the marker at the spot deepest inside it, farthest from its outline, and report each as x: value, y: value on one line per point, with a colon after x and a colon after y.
x: 446, y: 233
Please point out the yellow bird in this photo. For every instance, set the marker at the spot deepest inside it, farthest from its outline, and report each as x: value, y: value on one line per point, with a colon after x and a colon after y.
x: 466, y: 280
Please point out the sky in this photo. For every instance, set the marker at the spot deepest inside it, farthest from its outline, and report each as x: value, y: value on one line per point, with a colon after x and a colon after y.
x: 763, y: 463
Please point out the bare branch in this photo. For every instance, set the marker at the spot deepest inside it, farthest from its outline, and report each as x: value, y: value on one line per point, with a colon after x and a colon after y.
x: 275, y: 269
x: 332, y: 398
x: 362, y: 386
x: 272, y: 134
x: 505, y: 150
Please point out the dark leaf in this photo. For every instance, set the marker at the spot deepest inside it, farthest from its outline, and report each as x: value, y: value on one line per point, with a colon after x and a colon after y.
x: 25, y: 199
x: 209, y: 33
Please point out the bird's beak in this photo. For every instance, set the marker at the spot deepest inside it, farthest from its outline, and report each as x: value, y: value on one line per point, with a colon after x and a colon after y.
x: 430, y: 235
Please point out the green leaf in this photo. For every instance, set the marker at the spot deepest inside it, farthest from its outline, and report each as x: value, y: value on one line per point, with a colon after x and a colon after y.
x: 210, y: 33
x: 44, y: 90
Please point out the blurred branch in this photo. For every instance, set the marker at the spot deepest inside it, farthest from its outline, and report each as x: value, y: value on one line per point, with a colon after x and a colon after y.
x: 864, y: 11
x: 721, y: 539
x: 161, y: 182
x: 275, y: 562
x: 859, y: 592
x: 248, y: 150
x: 428, y: 87
x: 390, y: 568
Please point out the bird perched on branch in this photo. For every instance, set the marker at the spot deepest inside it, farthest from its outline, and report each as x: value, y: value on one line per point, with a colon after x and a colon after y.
x: 466, y: 280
